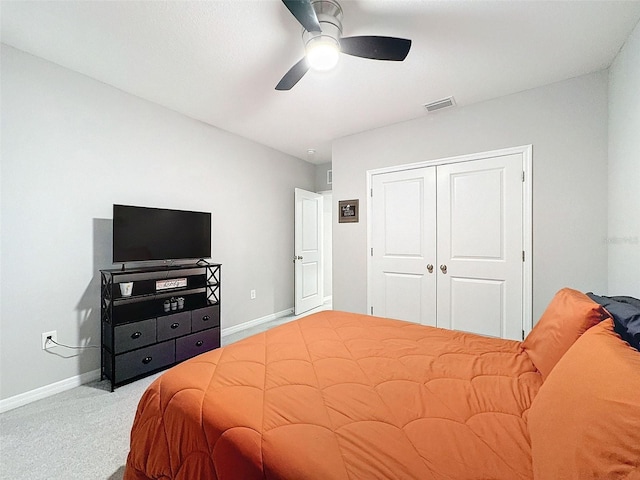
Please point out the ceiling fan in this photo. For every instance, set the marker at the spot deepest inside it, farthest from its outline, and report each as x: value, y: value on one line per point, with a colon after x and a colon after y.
x: 322, y: 37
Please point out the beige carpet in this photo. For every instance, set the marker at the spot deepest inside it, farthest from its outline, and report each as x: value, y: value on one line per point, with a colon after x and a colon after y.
x: 82, y: 433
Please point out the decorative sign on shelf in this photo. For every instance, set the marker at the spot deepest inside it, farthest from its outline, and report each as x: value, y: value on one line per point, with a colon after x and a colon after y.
x: 171, y: 283
x: 348, y: 211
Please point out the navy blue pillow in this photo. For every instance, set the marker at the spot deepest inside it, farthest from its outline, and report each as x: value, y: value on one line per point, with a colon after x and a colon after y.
x: 626, y: 316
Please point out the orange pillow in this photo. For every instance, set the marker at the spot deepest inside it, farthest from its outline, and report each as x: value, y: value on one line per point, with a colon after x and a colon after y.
x: 568, y: 316
x: 584, y: 423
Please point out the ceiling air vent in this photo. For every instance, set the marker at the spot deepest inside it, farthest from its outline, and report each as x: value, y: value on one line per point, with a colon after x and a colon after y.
x: 440, y: 104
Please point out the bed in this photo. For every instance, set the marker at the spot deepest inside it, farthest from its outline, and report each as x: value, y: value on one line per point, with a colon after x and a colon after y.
x: 338, y: 395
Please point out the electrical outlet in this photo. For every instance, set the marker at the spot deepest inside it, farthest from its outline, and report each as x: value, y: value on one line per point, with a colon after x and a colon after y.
x: 253, y: 294
x: 54, y: 336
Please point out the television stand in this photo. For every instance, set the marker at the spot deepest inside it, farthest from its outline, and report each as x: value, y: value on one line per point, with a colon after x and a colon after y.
x: 171, y: 314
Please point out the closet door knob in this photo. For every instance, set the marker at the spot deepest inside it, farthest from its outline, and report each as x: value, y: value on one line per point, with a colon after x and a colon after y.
x: 443, y: 268
x: 430, y: 268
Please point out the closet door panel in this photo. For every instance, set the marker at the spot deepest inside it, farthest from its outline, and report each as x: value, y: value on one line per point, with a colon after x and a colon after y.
x: 480, y: 231
x: 403, y: 241
x: 477, y: 305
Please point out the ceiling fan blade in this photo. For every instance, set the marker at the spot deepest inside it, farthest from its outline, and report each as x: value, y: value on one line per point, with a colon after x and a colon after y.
x: 294, y: 75
x: 304, y: 13
x: 376, y: 48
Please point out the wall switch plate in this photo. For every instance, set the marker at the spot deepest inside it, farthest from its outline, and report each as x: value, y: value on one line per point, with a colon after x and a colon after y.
x: 253, y: 294
x: 54, y: 336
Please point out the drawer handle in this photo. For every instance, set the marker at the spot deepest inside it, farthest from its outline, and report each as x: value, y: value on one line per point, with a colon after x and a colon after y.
x: 199, y: 343
x: 205, y: 318
x: 146, y: 360
x: 175, y: 325
x: 135, y: 335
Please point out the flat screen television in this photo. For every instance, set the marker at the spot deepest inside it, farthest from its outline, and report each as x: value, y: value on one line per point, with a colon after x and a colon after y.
x: 144, y: 234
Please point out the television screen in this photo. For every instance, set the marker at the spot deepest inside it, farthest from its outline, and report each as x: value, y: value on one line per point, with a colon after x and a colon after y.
x: 143, y: 233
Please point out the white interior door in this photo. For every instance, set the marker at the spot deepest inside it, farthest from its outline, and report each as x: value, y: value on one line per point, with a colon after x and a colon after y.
x: 308, y: 258
x: 480, y: 245
x: 404, y: 245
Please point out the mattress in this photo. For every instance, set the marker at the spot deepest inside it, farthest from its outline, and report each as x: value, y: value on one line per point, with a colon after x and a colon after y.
x: 341, y: 396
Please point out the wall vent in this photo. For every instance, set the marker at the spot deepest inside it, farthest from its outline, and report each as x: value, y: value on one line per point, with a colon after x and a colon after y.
x: 440, y: 104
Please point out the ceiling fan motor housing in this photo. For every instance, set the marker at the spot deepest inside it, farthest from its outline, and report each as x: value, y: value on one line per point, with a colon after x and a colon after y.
x: 329, y: 13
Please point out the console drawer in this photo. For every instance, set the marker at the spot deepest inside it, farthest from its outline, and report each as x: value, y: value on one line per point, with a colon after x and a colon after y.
x: 174, y: 325
x: 206, y: 317
x: 144, y: 360
x: 134, y: 335
x: 197, y: 343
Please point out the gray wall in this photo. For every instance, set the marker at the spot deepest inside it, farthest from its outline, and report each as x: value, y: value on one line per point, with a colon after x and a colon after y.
x: 624, y: 170
x: 321, y: 177
x: 567, y: 125
x: 71, y: 147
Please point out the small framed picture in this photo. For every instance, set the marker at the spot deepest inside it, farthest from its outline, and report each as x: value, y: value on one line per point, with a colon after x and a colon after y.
x: 348, y: 211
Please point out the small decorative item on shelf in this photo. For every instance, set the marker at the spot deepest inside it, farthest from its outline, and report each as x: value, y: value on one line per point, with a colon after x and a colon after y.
x: 167, y: 305
x: 174, y: 303
x: 170, y: 283
x: 180, y: 303
x: 126, y: 288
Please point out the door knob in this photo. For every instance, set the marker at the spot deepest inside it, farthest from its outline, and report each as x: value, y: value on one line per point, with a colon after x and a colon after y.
x: 297, y: 257
x: 443, y: 268
x: 430, y: 268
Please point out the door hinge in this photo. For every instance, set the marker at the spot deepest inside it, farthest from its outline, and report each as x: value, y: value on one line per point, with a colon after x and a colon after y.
x: 523, y: 255
x: 371, y: 193
x: 522, y: 334
x: 371, y: 310
x: 523, y: 176
x: 372, y: 251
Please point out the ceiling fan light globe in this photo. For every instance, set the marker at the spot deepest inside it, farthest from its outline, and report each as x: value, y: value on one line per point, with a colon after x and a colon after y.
x: 323, y: 55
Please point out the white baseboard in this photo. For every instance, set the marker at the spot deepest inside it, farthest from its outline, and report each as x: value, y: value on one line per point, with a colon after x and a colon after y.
x: 257, y: 321
x: 48, y: 390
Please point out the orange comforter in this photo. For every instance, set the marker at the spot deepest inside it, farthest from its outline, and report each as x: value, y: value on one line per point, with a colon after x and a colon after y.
x: 341, y: 396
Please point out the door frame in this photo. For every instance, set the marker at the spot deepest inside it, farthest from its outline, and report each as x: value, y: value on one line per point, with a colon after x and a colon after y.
x: 526, y: 151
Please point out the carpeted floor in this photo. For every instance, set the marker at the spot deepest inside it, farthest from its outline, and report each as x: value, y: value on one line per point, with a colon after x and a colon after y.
x: 82, y: 433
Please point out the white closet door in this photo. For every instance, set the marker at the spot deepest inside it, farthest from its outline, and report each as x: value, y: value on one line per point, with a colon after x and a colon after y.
x: 480, y: 244
x: 403, y: 241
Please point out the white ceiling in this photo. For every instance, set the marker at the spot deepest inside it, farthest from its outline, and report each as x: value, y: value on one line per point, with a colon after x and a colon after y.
x: 219, y: 61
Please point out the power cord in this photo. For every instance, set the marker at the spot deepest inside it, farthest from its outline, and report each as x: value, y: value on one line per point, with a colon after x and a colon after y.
x: 49, y: 339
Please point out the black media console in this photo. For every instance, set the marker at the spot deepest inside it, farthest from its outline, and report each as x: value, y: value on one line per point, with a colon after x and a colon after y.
x: 170, y: 314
